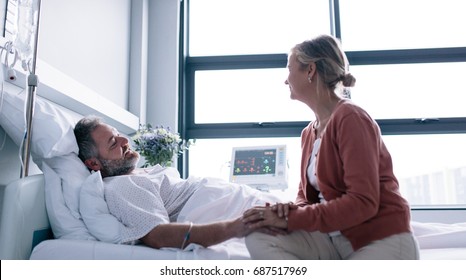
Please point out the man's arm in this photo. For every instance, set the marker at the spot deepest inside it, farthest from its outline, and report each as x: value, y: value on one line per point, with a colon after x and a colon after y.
x: 173, y: 234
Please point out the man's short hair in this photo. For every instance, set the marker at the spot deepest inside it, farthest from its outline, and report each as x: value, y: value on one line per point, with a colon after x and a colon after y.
x: 82, y: 132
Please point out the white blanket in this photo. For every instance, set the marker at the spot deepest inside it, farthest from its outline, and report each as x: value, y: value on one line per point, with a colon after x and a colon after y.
x: 218, y: 200
x: 439, y: 235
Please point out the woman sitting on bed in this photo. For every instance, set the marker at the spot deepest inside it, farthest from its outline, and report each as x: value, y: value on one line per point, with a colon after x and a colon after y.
x: 147, y: 202
x: 349, y: 205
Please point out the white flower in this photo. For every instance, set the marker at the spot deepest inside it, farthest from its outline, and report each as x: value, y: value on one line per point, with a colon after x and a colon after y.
x: 159, y: 145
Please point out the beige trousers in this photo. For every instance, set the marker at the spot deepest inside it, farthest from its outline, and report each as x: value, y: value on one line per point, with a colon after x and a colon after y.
x: 320, y: 246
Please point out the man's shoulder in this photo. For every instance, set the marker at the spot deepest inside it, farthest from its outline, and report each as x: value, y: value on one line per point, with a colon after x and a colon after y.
x: 129, y: 185
x: 112, y: 179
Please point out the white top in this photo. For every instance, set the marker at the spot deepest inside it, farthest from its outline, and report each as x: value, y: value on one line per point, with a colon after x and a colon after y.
x: 143, y: 201
x: 311, y: 168
x: 311, y: 175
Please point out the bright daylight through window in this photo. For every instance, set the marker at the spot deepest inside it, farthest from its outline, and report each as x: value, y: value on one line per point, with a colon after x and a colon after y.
x: 408, y: 71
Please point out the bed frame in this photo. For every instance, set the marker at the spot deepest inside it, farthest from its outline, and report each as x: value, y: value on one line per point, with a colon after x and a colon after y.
x: 25, y: 233
x: 23, y: 221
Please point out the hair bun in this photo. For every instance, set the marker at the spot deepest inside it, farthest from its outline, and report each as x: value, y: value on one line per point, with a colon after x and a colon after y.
x: 348, y: 80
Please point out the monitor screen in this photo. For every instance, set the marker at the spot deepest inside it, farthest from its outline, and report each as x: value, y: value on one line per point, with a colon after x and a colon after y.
x: 262, y: 167
x: 254, y: 162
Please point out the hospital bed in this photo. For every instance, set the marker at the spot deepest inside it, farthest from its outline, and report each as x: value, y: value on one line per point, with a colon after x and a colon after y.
x: 41, y: 219
x: 25, y: 233
x: 41, y: 211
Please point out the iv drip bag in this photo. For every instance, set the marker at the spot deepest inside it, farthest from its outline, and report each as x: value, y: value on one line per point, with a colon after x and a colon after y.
x: 26, y: 20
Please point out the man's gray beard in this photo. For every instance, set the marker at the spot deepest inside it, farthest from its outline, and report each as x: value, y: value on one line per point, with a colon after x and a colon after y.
x: 116, y: 167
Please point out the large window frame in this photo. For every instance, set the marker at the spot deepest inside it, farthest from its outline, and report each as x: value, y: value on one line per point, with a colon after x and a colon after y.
x: 189, y: 65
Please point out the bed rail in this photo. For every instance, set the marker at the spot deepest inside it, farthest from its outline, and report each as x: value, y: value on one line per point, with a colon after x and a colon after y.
x: 23, y: 218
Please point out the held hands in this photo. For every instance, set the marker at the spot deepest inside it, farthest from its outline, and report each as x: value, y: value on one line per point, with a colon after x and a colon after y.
x: 269, y: 219
x: 283, y: 209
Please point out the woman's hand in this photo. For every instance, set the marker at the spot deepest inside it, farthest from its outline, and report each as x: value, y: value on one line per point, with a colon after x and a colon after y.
x: 267, y: 218
x: 283, y: 209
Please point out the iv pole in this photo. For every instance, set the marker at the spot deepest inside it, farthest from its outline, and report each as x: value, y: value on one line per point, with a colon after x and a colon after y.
x: 29, y: 114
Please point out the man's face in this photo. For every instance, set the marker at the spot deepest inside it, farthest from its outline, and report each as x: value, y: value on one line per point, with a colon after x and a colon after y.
x: 115, y: 156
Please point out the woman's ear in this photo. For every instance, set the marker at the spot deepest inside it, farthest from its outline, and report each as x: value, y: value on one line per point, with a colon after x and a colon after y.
x: 311, y: 68
x: 93, y: 164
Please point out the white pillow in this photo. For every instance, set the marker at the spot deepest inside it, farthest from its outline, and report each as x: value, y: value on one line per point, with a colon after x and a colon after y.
x: 94, y: 211
x: 63, y: 224
x: 72, y: 173
x: 52, y: 130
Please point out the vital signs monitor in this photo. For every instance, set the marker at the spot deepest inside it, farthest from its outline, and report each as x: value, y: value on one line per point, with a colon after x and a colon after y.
x: 261, y: 167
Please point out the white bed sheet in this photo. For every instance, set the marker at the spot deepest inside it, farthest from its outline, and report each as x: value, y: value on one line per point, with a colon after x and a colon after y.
x: 61, y: 249
x: 441, y: 241
x: 437, y: 241
x: 443, y: 254
x: 440, y: 235
x: 67, y: 249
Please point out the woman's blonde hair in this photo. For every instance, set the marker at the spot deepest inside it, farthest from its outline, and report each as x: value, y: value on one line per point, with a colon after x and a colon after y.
x: 331, y: 62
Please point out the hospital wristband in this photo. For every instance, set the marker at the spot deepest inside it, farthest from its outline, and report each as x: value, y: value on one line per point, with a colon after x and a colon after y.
x: 187, y: 235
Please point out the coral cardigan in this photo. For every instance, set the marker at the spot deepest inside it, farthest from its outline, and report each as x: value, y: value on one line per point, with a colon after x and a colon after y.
x: 355, y: 176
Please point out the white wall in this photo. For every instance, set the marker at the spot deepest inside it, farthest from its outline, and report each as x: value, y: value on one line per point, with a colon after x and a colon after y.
x: 88, y: 40
x: 125, y: 50
x: 138, y: 58
x: 162, y: 86
x: 84, y: 54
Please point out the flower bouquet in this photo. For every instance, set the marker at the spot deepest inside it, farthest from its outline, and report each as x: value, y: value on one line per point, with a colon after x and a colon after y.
x: 159, y: 145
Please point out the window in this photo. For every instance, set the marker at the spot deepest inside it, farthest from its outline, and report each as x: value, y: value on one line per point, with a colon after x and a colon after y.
x: 225, y: 27
x: 420, y: 90
x: 401, y: 24
x: 429, y: 168
x: 249, y: 95
x: 408, y: 57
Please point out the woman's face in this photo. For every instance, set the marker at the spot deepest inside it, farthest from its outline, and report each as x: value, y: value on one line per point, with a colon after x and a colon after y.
x: 297, y: 79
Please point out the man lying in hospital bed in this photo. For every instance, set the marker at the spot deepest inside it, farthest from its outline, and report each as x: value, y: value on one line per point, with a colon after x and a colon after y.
x: 150, y: 204
x: 78, y: 213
